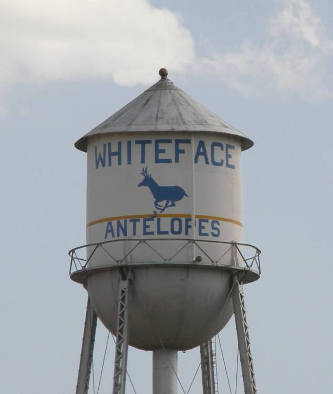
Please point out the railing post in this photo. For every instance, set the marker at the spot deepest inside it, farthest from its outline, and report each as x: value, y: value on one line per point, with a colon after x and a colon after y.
x: 234, y: 255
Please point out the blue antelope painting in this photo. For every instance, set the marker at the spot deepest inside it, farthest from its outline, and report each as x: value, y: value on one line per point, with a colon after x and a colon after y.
x: 165, y: 196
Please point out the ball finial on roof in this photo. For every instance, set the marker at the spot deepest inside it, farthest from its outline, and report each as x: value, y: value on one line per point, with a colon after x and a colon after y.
x: 163, y: 73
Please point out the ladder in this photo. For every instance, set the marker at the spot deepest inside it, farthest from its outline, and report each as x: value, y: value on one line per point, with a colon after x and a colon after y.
x: 208, y: 367
x: 216, y: 382
x: 120, y: 363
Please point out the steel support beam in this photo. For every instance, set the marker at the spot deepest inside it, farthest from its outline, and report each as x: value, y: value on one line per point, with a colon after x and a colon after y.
x: 207, y: 368
x: 87, y: 350
x: 120, y: 363
x: 243, y: 338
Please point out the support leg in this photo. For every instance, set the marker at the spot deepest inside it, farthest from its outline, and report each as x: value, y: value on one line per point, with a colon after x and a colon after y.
x: 207, y: 368
x: 243, y: 339
x: 120, y: 363
x: 87, y: 350
x: 165, y: 371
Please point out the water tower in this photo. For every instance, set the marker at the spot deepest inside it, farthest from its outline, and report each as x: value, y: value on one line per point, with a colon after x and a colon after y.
x: 164, y: 261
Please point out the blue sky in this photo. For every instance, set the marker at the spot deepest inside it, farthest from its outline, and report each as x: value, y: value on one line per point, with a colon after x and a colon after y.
x: 265, y: 67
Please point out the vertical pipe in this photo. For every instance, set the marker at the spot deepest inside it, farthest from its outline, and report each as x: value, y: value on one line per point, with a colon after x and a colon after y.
x: 87, y: 350
x: 165, y: 371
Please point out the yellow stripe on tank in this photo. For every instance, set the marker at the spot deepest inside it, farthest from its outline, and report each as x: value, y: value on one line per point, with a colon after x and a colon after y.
x: 163, y: 215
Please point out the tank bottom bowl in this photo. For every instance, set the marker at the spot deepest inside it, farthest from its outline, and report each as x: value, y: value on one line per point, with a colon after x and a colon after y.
x: 169, y: 307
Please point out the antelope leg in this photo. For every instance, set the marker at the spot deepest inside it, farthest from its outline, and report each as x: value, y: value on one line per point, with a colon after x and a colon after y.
x: 157, y: 205
x: 166, y: 205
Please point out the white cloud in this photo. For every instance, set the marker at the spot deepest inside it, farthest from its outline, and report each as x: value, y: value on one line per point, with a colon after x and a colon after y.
x: 126, y: 40
x: 298, y: 21
x: 293, y: 59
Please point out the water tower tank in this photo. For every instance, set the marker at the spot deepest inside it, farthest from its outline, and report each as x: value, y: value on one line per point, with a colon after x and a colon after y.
x: 164, y: 201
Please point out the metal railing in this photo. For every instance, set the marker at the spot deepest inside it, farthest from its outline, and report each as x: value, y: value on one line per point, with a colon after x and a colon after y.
x: 244, y: 256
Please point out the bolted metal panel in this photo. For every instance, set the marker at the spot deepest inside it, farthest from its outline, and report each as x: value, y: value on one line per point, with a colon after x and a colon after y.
x: 164, y: 108
x: 161, y: 303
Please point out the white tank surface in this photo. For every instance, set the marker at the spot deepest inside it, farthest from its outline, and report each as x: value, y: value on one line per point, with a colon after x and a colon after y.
x: 164, y: 200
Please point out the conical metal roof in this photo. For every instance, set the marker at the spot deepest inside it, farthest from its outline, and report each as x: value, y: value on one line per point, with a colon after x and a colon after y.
x: 163, y: 108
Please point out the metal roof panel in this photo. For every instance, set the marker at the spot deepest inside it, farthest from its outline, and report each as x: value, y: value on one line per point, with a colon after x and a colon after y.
x: 163, y: 108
